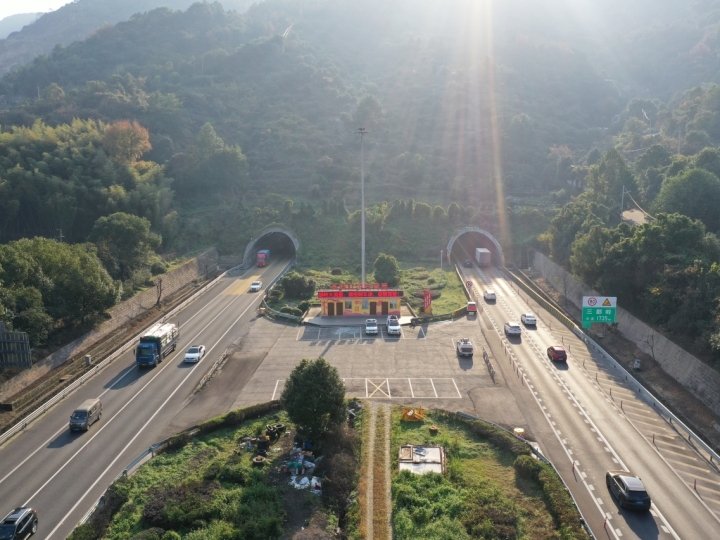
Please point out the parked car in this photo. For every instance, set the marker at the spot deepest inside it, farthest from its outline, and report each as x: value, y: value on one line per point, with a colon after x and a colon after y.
x: 628, y: 489
x: 465, y: 347
x: 556, y: 353
x: 512, y: 329
x: 468, y: 263
x: 471, y: 308
x: 371, y: 326
x: 194, y: 353
x: 255, y: 286
x: 20, y: 523
x: 528, y: 319
x: 393, y: 326
x: 489, y: 294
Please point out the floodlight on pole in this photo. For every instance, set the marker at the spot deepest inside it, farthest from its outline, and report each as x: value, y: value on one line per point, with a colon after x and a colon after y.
x: 362, y: 131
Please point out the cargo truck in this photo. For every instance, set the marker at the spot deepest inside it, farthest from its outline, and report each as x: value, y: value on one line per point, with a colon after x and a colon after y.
x: 160, y: 340
x: 263, y: 257
x: 483, y: 257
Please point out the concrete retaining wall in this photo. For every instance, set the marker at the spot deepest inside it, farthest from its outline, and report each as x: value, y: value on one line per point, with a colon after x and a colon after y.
x: 119, y: 315
x: 699, y: 378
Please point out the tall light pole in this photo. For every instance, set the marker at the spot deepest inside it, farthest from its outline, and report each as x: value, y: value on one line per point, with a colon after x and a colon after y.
x: 362, y: 132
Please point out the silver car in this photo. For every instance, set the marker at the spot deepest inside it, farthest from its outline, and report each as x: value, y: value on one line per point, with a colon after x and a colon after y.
x: 371, y: 326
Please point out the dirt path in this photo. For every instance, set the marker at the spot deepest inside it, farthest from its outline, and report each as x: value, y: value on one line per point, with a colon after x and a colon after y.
x: 378, y: 497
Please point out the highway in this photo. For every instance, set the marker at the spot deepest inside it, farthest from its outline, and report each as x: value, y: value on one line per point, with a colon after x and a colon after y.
x: 62, y: 474
x: 588, y: 420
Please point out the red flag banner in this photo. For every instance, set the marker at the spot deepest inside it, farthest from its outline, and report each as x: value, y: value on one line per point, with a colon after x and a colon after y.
x: 427, y: 299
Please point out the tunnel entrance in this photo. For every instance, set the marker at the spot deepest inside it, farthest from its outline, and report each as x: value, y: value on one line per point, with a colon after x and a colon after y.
x: 463, y: 243
x: 281, y: 242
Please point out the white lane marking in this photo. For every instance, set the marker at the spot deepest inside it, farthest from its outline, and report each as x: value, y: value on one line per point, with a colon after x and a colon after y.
x: 160, y: 408
x: 129, y: 370
x: 616, y: 457
x: 275, y: 391
x: 108, y: 422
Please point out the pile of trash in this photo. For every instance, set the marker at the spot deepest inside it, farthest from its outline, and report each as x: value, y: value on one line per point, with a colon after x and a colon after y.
x: 301, y: 463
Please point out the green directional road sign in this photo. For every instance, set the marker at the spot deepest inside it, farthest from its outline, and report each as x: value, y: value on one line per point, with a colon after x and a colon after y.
x: 598, y: 309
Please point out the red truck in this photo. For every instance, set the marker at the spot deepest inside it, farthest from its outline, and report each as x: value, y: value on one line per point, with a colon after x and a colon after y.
x: 263, y: 257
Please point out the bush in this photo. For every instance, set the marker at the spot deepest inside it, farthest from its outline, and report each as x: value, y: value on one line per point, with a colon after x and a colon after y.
x: 158, y: 267
x: 171, y: 535
x: 297, y: 285
x: 431, y: 281
x: 291, y: 311
x: 336, y: 271
x: 304, y: 306
x: 528, y: 467
x: 387, y: 270
x: 155, y: 533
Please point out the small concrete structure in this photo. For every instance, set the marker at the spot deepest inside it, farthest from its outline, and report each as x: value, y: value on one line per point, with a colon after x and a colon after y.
x: 421, y: 459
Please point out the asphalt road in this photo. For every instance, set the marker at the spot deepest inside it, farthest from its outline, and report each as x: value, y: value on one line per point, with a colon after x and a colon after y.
x: 588, y: 420
x: 61, y: 474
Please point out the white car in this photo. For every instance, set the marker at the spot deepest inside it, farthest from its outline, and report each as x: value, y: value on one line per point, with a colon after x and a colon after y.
x: 465, y: 347
x: 528, y: 319
x: 489, y: 294
x: 194, y: 353
x: 255, y: 286
x: 393, y: 326
x: 512, y: 329
x: 371, y: 326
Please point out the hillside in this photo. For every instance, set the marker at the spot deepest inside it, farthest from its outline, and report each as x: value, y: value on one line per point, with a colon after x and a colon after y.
x: 74, y: 22
x: 15, y: 23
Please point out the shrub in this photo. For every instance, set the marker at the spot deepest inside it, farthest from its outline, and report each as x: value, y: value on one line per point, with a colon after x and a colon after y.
x: 291, y: 311
x: 297, y: 285
x: 155, y: 533
x: 179, y: 506
x: 336, y: 271
x: 158, y: 267
x: 431, y: 281
x: 387, y: 270
x: 304, y: 306
x: 528, y: 467
x: 171, y: 535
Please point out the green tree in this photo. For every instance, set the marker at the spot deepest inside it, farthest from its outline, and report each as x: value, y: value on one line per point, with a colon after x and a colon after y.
x: 387, y: 270
x: 124, y: 242
x: 369, y: 112
x: 297, y: 285
x: 314, y: 398
x: 607, y: 178
x: 694, y: 193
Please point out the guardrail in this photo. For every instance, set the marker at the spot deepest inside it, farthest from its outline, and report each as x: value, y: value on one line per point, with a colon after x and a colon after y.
x: 488, y: 363
x: 656, y: 404
x: 539, y: 456
x: 691, y: 437
x: 272, y: 312
x: 23, y: 423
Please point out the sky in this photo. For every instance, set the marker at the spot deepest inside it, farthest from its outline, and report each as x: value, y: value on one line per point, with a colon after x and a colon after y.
x: 11, y: 7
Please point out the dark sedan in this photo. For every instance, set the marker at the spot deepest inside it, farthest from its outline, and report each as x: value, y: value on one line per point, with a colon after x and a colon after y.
x: 628, y: 489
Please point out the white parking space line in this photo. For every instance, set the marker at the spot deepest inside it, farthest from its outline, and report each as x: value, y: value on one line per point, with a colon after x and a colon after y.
x: 399, y: 388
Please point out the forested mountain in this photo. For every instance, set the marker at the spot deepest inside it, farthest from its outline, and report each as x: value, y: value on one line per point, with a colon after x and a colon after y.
x: 75, y: 21
x: 184, y: 128
x: 15, y: 23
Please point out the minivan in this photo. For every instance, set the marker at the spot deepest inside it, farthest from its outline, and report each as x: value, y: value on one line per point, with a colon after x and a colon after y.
x: 86, y: 415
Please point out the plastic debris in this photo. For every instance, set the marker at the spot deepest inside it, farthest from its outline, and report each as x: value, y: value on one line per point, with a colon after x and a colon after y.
x: 413, y: 415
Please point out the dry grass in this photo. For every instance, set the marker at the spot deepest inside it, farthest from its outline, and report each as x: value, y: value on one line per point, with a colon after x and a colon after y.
x: 382, y: 507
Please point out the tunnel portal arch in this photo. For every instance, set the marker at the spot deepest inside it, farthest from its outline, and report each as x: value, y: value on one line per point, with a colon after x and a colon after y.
x: 253, y: 244
x: 487, y: 241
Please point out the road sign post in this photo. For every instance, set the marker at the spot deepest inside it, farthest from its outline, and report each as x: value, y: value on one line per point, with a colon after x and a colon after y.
x: 469, y: 284
x: 598, y: 309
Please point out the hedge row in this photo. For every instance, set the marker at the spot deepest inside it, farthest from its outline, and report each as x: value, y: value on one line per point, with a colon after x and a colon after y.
x: 560, y: 503
x: 557, y: 497
x: 232, y: 419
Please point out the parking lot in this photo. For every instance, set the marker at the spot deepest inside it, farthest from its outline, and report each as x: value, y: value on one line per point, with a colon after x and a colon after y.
x: 347, y: 334
x: 420, y: 367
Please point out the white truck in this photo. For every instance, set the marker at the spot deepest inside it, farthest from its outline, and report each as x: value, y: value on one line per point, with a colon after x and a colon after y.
x: 483, y: 257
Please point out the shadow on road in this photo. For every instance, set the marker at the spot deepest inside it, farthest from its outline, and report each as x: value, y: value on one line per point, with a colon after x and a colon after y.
x: 65, y: 438
x: 126, y: 377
